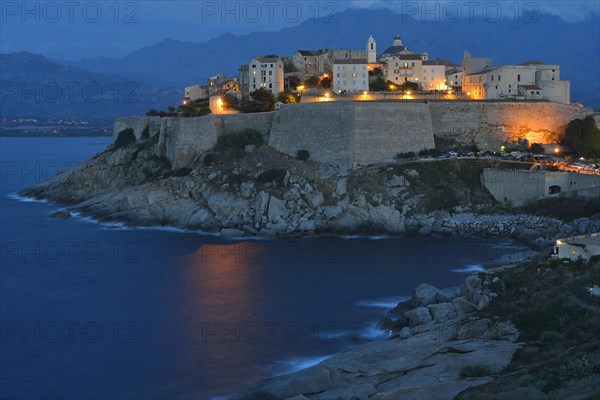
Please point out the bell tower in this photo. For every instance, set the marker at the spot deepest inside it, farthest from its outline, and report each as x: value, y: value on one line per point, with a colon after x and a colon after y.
x: 371, y: 50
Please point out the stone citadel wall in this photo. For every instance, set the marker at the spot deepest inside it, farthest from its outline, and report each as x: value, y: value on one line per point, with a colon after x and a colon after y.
x: 354, y: 133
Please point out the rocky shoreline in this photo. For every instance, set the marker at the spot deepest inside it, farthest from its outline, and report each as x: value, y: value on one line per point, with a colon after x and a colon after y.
x: 265, y: 193
x: 433, y: 337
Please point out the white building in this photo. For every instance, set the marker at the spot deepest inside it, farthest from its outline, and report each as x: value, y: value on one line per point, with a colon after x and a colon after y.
x: 434, y: 75
x: 585, y: 246
x: 531, y: 80
x: 266, y: 72
x: 350, y: 75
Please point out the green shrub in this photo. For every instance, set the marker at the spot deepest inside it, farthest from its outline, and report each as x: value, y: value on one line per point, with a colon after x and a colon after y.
x: 303, y: 155
x: 408, y: 155
x: 125, y: 138
x: 209, y: 159
x: 550, y: 337
x: 577, y: 368
x: 146, y: 133
x: 475, y: 371
x: 430, y: 153
x: 234, y: 143
x: 277, y: 175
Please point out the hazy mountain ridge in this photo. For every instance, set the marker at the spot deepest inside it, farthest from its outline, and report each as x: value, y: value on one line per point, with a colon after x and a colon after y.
x: 33, y: 85
x: 551, y: 40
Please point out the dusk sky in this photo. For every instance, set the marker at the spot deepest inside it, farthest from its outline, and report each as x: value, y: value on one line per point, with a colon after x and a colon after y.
x: 83, y: 29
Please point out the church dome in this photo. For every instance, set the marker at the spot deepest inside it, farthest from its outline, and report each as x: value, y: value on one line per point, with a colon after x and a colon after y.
x: 393, y: 50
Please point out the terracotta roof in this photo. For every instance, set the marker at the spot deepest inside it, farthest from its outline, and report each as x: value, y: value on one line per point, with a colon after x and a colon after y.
x: 435, y: 62
x: 532, y: 62
x: 350, y: 61
x: 410, y: 56
x: 267, y: 59
x: 312, y: 53
x: 484, y: 71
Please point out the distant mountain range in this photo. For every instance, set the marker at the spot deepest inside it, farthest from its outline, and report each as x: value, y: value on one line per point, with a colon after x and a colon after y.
x: 33, y: 85
x: 158, y: 73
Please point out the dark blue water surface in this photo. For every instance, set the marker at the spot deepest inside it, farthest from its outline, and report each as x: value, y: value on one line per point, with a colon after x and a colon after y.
x: 99, y: 311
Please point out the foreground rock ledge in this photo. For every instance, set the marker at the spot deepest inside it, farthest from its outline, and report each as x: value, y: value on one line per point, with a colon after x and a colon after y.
x: 424, y: 366
x: 433, y: 339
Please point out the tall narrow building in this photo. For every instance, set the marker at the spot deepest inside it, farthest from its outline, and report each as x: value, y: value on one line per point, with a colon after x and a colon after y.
x: 371, y: 50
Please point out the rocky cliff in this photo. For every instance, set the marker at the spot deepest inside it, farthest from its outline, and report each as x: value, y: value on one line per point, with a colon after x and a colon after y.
x: 238, y: 189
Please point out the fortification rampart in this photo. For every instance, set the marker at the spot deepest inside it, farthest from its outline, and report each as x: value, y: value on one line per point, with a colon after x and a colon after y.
x: 354, y: 133
x: 138, y: 124
x: 182, y: 139
x: 518, y: 187
x: 489, y: 124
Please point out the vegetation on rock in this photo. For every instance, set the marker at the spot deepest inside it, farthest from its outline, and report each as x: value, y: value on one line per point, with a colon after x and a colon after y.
x: 303, y: 155
x: 124, y: 138
x: 559, y: 321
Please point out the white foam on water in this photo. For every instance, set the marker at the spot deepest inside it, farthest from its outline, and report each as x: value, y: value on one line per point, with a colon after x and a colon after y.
x: 298, y: 363
x: 332, y: 335
x: 385, y: 303
x: 469, y: 269
x: 24, y: 199
x: 371, y: 332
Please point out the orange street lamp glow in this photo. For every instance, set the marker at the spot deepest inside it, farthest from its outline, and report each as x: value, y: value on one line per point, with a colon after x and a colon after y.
x: 557, y: 150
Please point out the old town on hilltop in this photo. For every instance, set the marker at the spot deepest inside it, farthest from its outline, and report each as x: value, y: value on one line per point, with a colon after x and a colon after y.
x: 396, y: 73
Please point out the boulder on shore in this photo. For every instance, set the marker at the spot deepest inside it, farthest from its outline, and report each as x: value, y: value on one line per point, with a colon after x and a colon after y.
x: 62, y: 214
